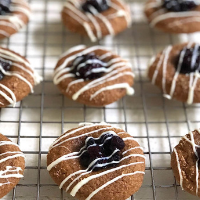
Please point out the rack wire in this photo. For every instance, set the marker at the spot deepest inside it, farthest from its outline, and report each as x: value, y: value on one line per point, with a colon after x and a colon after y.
x: 155, y: 122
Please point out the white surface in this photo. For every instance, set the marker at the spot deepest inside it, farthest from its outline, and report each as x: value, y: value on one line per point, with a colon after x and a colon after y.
x: 137, y: 44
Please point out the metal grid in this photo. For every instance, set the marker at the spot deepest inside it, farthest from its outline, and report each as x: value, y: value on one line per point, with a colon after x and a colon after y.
x: 155, y: 122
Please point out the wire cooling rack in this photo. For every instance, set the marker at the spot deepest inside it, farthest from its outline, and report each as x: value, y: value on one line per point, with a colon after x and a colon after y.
x: 155, y: 122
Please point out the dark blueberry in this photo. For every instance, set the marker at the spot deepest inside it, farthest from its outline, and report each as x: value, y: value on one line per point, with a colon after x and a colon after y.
x: 84, y: 70
x: 6, y: 65
x: 99, y: 5
x: 4, y: 6
x: 85, y: 159
x: 117, y: 142
x: 102, y: 149
x: 90, y: 142
x: 179, y: 5
x: 94, y: 151
x: 189, y: 60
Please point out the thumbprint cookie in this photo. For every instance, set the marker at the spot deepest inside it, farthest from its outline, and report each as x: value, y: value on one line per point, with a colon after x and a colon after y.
x: 174, y: 16
x: 185, y: 162
x: 93, y: 76
x: 97, y: 162
x: 17, y: 78
x: 175, y: 71
x: 12, y: 164
x: 14, y: 14
x: 96, y: 18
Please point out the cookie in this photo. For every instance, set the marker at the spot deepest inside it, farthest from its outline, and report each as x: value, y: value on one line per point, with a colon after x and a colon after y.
x: 14, y: 14
x: 97, y: 162
x: 185, y: 162
x: 96, y: 18
x: 174, y: 16
x: 17, y: 78
x: 12, y: 164
x: 93, y: 76
x: 175, y: 71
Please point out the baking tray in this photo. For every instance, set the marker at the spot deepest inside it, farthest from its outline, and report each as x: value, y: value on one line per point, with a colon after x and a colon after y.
x: 155, y: 122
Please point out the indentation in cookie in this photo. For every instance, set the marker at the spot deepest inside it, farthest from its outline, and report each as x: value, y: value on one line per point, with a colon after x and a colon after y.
x: 93, y: 6
x: 179, y: 6
x: 5, y: 65
x: 88, y: 66
x: 101, y: 152
x: 188, y: 60
x: 4, y: 6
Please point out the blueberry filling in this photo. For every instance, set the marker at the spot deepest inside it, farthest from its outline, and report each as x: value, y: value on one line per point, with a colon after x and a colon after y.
x: 88, y: 67
x: 4, y: 6
x: 93, y: 6
x: 103, y: 152
x: 179, y: 5
x: 6, y: 65
x: 188, y: 60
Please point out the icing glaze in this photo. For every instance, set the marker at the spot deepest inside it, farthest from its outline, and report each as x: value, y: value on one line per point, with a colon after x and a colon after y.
x: 80, y: 173
x: 194, y: 146
x: 10, y: 171
x: 113, y: 68
x: 193, y: 77
x: 10, y: 56
x: 112, y: 181
x: 13, y: 20
x: 85, y: 18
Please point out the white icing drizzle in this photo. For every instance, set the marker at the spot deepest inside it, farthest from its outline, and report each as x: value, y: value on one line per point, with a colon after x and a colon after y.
x: 179, y: 168
x: 10, y: 171
x: 193, y: 77
x: 113, y: 69
x: 86, y: 18
x: 112, y: 181
x: 8, y: 56
x: 14, y: 20
x: 86, y: 180
x: 75, y: 155
x: 74, y: 131
x: 192, y: 142
x: 162, y: 14
x: 169, y: 15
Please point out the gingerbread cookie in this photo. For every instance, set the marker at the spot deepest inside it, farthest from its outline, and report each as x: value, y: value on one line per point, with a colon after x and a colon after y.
x: 176, y: 71
x: 96, y: 18
x: 93, y: 75
x: 185, y: 162
x: 17, y: 78
x: 174, y: 16
x: 12, y: 164
x: 14, y: 14
x: 97, y: 162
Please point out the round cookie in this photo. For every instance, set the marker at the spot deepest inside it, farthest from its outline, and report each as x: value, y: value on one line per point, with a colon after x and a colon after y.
x: 12, y: 164
x: 17, y: 78
x: 185, y: 162
x: 114, y: 177
x: 93, y: 75
x: 96, y: 19
x: 14, y: 15
x: 175, y: 71
x: 173, y: 16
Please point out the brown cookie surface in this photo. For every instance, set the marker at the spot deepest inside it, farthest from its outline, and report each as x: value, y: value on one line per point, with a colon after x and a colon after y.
x: 15, y: 19
x: 185, y: 162
x: 12, y: 165
x: 115, y: 183
x: 115, y: 83
x: 172, y: 22
x: 17, y: 78
x: 96, y: 24
x: 163, y: 72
